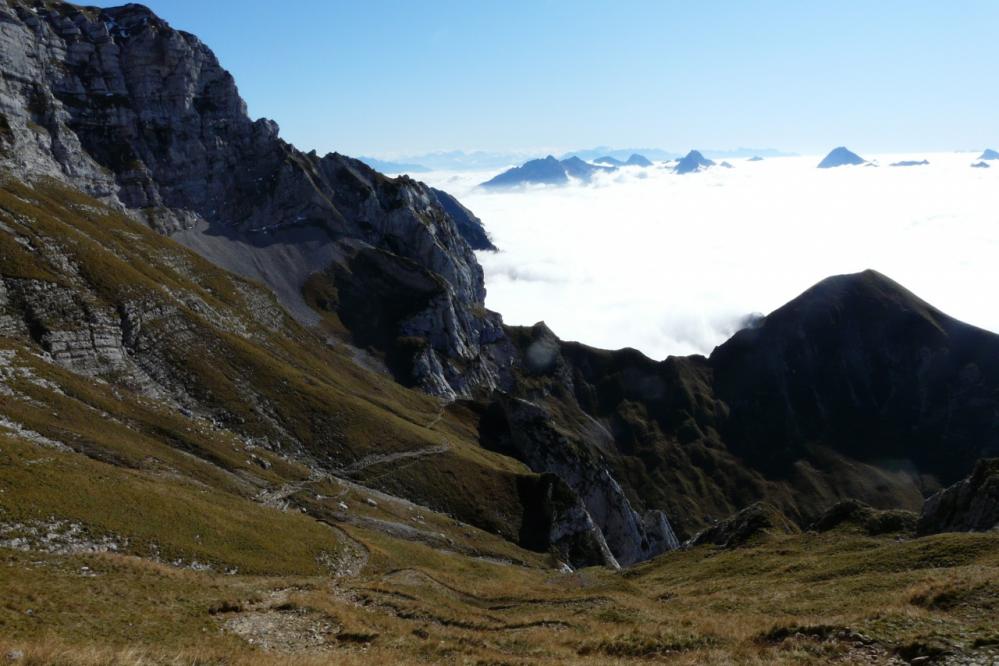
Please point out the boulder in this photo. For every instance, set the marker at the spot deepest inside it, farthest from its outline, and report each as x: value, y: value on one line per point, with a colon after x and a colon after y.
x: 871, y: 521
x: 970, y: 505
x: 751, y: 523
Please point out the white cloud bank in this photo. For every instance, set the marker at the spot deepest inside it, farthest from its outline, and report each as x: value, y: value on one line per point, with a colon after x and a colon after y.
x: 672, y: 264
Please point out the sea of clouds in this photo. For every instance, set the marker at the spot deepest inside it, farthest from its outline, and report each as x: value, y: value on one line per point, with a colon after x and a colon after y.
x: 673, y: 264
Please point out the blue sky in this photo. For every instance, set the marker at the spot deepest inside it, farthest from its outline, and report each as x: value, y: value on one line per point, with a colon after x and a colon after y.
x: 394, y: 78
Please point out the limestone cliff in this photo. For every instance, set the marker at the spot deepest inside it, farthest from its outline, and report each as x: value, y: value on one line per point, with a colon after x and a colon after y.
x: 118, y: 103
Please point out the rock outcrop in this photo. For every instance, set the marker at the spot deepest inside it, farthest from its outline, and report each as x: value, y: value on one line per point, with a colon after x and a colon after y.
x: 527, y: 431
x: 970, y: 505
x: 910, y: 163
x: 557, y: 520
x: 469, y: 226
x: 408, y: 313
x: 873, y: 522
x: 756, y: 521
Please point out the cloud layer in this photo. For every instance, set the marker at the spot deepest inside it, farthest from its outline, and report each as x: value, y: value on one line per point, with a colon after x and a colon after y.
x: 673, y: 264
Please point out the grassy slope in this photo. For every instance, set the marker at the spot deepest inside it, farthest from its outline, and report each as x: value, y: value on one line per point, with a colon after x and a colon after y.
x: 280, y: 388
x: 800, y: 599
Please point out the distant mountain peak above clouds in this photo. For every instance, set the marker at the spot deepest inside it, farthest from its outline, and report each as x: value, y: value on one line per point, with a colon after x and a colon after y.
x: 638, y: 160
x: 482, y: 160
x: 623, y: 155
x: 989, y: 154
x: 840, y: 156
x: 692, y: 162
x: 547, y: 171
x: 633, y: 160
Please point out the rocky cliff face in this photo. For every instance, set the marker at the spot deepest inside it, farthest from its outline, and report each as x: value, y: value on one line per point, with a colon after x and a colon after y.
x: 528, y: 432
x: 970, y: 505
x: 118, y: 103
x: 469, y: 226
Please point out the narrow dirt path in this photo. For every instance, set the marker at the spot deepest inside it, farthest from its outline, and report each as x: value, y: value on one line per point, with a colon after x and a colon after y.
x: 278, y: 497
x: 385, y: 458
x: 354, y: 555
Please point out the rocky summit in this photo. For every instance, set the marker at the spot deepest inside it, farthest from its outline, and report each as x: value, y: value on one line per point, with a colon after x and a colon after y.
x: 253, y: 409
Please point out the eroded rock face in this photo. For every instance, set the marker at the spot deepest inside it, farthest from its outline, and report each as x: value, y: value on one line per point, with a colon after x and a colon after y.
x: 469, y: 226
x: 119, y: 104
x: 410, y: 313
x: 970, y: 505
x: 527, y: 431
x: 557, y: 520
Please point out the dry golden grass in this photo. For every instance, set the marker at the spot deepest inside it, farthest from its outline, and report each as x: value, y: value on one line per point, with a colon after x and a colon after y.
x: 798, y: 599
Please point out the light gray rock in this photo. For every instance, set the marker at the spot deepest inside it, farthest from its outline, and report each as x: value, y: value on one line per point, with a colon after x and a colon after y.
x: 526, y: 430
